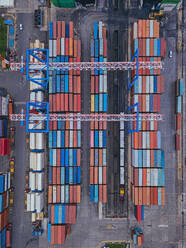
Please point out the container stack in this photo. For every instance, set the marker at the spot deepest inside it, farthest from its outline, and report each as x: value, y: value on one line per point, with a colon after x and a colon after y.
x: 35, y: 197
x: 98, y: 169
x: 179, y: 96
x: 147, y: 170
x: 4, y: 140
x: 64, y: 136
x: 4, y: 203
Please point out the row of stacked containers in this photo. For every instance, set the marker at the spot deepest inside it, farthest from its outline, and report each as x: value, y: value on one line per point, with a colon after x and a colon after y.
x: 147, y: 169
x: 4, y: 140
x: 98, y: 132
x: 35, y: 196
x: 4, y: 204
x: 64, y: 140
x: 179, y: 97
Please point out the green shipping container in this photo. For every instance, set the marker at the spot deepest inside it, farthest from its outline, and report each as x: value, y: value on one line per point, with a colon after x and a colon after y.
x: 64, y: 3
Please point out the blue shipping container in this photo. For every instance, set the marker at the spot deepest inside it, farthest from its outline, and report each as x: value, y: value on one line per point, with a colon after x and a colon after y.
x: 104, y: 102
x: 50, y: 30
x: 66, y: 175
x: 67, y: 30
x: 74, y: 157
x: 96, y: 103
x: 95, y: 30
x: 79, y: 174
x: 66, y: 157
x: 92, y: 48
x: 50, y: 175
x: 92, y: 193
x: 49, y: 232
x: 2, y: 183
x: 62, y: 175
x: 96, y: 46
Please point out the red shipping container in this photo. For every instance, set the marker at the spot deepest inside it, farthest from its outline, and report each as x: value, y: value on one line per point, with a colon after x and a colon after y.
x: 144, y: 196
x: 75, y: 193
x: 136, y: 140
x: 95, y: 175
x: 54, y: 125
x: 50, y: 103
x: 70, y: 83
x: 148, y: 195
x: 135, y: 195
x: 78, y: 85
x: 54, y: 30
x: 104, y: 48
x: 155, y: 196
x: 151, y: 47
x: 136, y: 176
x: 50, y: 194
x: 100, y: 193
x: 66, y: 138
x: 177, y: 142
x: 71, y: 47
x: 144, y: 176
x: 66, y: 46
x: 58, y: 46
x: 140, y: 196
x: 63, y: 29
x: 54, y: 102
x: 62, y: 107
x: 67, y: 214
x: 139, y: 29
x: 96, y: 84
x: 58, y: 157
x: 54, y: 175
x: 70, y: 102
x: 178, y: 121
x: 75, y: 48
x: 78, y: 157
x: 147, y: 28
x: 71, y: 194
x: 78, y: 193
x: 104, y: 193
x: 8, y: 238
x: 71, y: 30
x: 58, y: 102
x: 151, y: 196
x: 144, y: 47
x: 66, y: 102
x: 75, y: 138
x: 58, y: 193
x: 75, y: 84
x: 75, y: 103
x: 152, y: 140
x: 162, y: 84
x: 79, y: 103
x: 152, y: 158
x: 52, y: 235
x: 59, y: 29
x: 104, y: 32
x: 58, y: 171
x: 70, y: 71
x: 92, y: 85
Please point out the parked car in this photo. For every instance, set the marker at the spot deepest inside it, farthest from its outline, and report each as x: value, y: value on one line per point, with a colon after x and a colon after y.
x: 20, y: 26
x: 170, y: 54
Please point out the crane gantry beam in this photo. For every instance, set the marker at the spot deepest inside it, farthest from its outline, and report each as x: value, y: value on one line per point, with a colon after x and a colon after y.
x: 87, y: 117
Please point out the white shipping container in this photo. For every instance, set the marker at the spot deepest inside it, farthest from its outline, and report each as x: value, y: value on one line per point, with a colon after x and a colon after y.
x: 62, y: 194
x: 144, y: 140
x: 136, y: 158
x: 148, y: 140
x: 151, y: 125
x: 140, y: 179
x: 54, y: 50
x: 32, y: 97
x: 32, y: 202
x: 148, y: 103
x: 148, y: 177
x: 54, y: 157
x: 121, y: 125
x: 62, y: 46
x: 147, y: 47
x: 40, y: 161
x: 148, y: 158
x: 155, y: 177
x: 147, y: 84
x: 100, y: 175
x: 100, y: 102
x: 54, y: 192
x: 78, y: 125
x: 151, y: 86
x: 122, y: 139
x: 100, y: 139
x: 122, y: 176
x: 39, y: 96
x: 32, y: 181
x: 71, y: 138
x: 122, y: 158
x: 151, y: 28
x: 28, y: 202
x: 58, y: 139
x: 4, y: 105
x: 140, y: 84
x: 104, y: 157
x: 101, y: 47
x: 151, y: 177
x: 33, y: 217
x: 100, y: 83
x: 105, y: 82
x: 39, y: 141
x: 100, y: 30
x: 39, y: 202
x: 50, y: 48
x: 39, y: 181
x: 33, y: 161
x: 71, y: 124
x: 135, y: 30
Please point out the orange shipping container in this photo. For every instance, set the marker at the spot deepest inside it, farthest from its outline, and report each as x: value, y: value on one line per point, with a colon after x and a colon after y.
x: 136, y: 198
x: 50, y: 194
x: 139, y: 242
x: 96, y: 125
x: 52, y: 234
x: 52, y: 214
x: 162, y: 196
x: 75, y: 193
x: 78, y: 85
x: 59, y: 29
x: 100, y: 157
x: 79, y: 103
x: 66, y: 138
x: 155, y: 196
x: 145, y: 176
x: 144, y: 196
x: 62, y: 102
x: 139, y: 28
x: 71, y: 30
x: 58, y: 102
x: 100, y: 193
x: 70, y: 71
x: 91, y: 175
x: 70, y: 47
x: 104, y: 193
x: 136, y: 140
x: 63, y: 29
x: 58, y: 171
x: 70, y: 102
x: 75, y: 103
x: 78, y: 157
x: 147, y: 28
x: 104, y: 175
x: 91, y: 157
x: 178, y: 121
x: 148, y: 195
x: 144, y: 28
x: 104, y: 32
x: 92, y: 125
x: 75, y: 138
x: 71, y: 194
x: 151, y: 196
x: 95, y: 175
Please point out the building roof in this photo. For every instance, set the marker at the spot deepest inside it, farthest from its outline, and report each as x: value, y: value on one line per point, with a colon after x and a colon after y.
x: 6, y: 3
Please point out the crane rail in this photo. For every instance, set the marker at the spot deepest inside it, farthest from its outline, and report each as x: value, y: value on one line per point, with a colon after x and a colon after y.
x: 87, y: 117
x: 53, y: 66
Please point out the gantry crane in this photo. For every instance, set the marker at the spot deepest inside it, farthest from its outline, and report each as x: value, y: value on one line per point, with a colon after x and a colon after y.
x: 37, y: 61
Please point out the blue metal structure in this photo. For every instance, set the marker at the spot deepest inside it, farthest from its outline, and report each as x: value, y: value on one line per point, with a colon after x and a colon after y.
x: 129, y: 123
x: 41, y: 56
x: 41, y: 108
x: 136, y: 55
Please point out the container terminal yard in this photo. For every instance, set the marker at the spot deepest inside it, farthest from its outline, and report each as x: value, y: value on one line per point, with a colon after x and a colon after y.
x: 92, y: 153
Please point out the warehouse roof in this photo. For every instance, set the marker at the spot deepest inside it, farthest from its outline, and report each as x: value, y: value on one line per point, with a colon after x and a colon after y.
x: 6, y: 3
